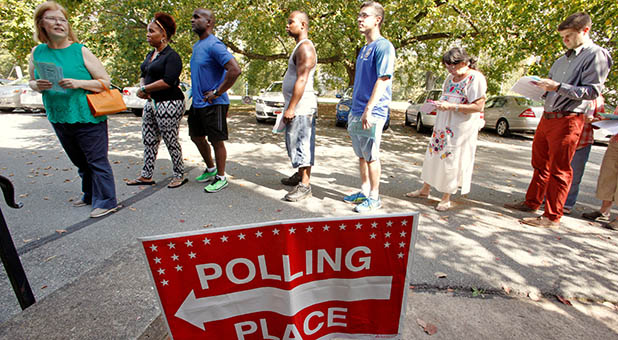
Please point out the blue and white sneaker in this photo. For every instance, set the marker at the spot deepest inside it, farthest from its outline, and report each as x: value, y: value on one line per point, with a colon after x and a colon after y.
x: 368, y: 205
x: 356, y: 198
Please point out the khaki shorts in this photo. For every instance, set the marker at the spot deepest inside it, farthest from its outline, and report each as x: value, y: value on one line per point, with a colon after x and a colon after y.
x: 607, y: 185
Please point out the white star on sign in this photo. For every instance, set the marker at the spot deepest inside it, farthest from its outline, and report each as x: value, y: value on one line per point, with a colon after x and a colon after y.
x: 325, y: 228
x: 404, y: 222
x: 171, y: 245
x: 223, y: 238
x: 389, y: 223
x: 400, y: 255
x: 342, y: 227
x: 241, y: 236
x: 157, y: 260
x: 402, y: 244
x: 309, y: 229
x: 192, y: 255
x: 164, y: 282
x: 178, y: 268
x: 207, y: 241
x: 386, y: 245
x: 161, y: 271
x: 153, y: 247
x: 292, y: 230
x: 258, y: 234
x: 387, y: 234
x: 189, y: 243
x: 358, y: 225
x: 372, y: 236
x: 374, y: 225
x: 402, y: 234
x: 175, y: 257
x: 275, y: 231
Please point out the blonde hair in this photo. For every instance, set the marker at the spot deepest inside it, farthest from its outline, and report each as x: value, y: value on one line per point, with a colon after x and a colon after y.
x: 39, y: 33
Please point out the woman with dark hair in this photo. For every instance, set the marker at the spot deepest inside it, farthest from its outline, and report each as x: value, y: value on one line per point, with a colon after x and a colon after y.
x: 83, y: 136
x: 165, y: 101
x: 449, y: 159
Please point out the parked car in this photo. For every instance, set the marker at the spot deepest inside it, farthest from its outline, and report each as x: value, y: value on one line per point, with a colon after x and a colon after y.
x: 10, y: 94
x: 31, y: 100
x: 269, y: 103
x: 136, y: 104
x: 345, y: 104
x: 422, y: 121
x: 512, y: 113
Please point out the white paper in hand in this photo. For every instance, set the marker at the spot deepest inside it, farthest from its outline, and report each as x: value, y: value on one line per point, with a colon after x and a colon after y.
x: 279, y: 124
x: 525, y: 87
x: 609, y: 125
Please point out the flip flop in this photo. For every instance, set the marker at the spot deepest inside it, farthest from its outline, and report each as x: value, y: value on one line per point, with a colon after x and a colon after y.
x: 416, y: 194
x: 444, y: 206
x: 177, y: 182
x: 138, y: 181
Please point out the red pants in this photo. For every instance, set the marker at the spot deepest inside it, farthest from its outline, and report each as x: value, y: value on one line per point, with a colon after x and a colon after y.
x: 553, y: 148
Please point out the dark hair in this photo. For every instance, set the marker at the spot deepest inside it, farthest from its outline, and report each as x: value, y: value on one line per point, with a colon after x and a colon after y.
x: 377, y: 7
x: 456, y: 55
x: 577, y: 21
x: 166, y: 22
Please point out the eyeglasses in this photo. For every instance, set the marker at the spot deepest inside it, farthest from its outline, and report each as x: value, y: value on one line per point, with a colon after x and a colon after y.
x: 56, y: 19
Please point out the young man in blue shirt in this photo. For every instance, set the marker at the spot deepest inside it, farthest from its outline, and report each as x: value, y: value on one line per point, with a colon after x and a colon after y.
x: 213, y: 71
x: 372, y: 95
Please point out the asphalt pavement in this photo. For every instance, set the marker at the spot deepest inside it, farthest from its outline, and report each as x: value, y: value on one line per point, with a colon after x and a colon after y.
x: 477, y: 249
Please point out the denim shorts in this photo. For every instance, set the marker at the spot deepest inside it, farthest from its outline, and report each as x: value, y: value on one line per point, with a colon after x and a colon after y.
x: 300, y: 140
x: 366, y: 147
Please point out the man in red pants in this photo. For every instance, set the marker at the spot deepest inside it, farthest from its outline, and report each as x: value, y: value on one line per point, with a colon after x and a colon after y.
x: 574, y: 79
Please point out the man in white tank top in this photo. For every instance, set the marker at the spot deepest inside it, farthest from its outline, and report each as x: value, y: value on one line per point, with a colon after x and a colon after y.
x: 301, y: 104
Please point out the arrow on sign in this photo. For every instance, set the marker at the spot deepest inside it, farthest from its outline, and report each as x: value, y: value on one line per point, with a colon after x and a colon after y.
x: 198, y: 311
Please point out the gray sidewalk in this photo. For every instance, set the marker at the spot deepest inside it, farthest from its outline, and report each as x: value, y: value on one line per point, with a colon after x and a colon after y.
x: 479, y: 245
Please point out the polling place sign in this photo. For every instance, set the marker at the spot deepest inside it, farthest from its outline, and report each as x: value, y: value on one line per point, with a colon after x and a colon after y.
x: 297, y: 279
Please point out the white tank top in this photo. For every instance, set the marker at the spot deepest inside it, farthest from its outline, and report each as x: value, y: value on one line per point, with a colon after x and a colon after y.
x: 308, y: 104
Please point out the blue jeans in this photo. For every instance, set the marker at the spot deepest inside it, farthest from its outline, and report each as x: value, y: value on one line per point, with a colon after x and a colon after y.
x: 86, y: 146
x: 578, y: 164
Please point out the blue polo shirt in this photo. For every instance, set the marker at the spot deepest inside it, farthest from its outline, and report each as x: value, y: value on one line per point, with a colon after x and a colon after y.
x: 375, y: 60
x: 207, y: 70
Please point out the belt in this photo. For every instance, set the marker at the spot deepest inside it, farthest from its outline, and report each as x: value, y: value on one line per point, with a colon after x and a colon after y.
x: 559, y: 114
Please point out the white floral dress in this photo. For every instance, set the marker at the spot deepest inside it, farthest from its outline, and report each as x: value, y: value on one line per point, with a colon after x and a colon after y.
x: 449, y: 159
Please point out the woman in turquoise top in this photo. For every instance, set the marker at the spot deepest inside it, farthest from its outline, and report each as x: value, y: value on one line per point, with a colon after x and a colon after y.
x: 83, y: 136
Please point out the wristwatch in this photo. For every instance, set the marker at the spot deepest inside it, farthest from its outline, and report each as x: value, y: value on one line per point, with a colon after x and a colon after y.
x: 143, y: 89
x: 216, y: 93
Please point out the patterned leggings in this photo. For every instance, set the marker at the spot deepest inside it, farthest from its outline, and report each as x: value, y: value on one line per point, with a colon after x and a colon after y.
x: 162, y: 120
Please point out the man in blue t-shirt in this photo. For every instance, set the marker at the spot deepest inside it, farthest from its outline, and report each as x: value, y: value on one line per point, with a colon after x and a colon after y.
x: 213, y: 71
x: 372, y: 95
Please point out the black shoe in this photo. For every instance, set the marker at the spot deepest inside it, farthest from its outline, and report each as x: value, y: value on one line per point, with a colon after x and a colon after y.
x: 292, y: 180
x: 596, y: 216
x: 300, y: 192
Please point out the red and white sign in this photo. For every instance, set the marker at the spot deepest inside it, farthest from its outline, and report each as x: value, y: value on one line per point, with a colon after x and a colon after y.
x: 301, y: 279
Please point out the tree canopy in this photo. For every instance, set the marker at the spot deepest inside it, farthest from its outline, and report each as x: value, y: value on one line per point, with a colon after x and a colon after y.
x: 505, y: 34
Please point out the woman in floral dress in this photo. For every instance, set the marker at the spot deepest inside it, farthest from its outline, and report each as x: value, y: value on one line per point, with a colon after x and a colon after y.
x: 449, y: 159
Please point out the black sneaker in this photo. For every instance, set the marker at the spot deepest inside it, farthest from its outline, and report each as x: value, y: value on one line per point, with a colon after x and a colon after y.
x: 596, y: 216
x: 300, y: 192
x: 292, y: 180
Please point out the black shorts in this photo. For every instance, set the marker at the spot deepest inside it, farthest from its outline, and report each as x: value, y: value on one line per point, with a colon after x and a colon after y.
x: 209, y: 121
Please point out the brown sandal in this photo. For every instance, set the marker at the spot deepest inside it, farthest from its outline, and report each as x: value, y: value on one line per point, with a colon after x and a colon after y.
x: 177, y: 182
x: 141, y: 181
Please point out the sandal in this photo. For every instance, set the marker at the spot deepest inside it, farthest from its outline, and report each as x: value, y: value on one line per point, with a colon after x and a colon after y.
x: 443, y: 206
x: 141, y: 181
x: 417, y: 194
x: 177, y: 182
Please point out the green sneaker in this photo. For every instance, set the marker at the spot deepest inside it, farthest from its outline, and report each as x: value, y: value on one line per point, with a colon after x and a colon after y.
x: 206, y: 176
x: 216, y: 185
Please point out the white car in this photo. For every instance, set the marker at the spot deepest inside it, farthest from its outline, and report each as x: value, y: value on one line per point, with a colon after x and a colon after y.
x: 512, y: 113
x: 422, y: 121
x: 270, y: 103
x: 31, y: 99
x: 136, y: 104
x: 10, y: 95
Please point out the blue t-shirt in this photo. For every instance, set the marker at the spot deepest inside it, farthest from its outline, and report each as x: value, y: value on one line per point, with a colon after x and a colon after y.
x: 207, y: 71
x: 375, y: 60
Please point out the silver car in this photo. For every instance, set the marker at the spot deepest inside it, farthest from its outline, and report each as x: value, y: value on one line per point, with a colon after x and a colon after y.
x: 270, y: 103
x: 10, y: 95
x: 422, y: 121
x: 136, y: 104
x: 506, y: 114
